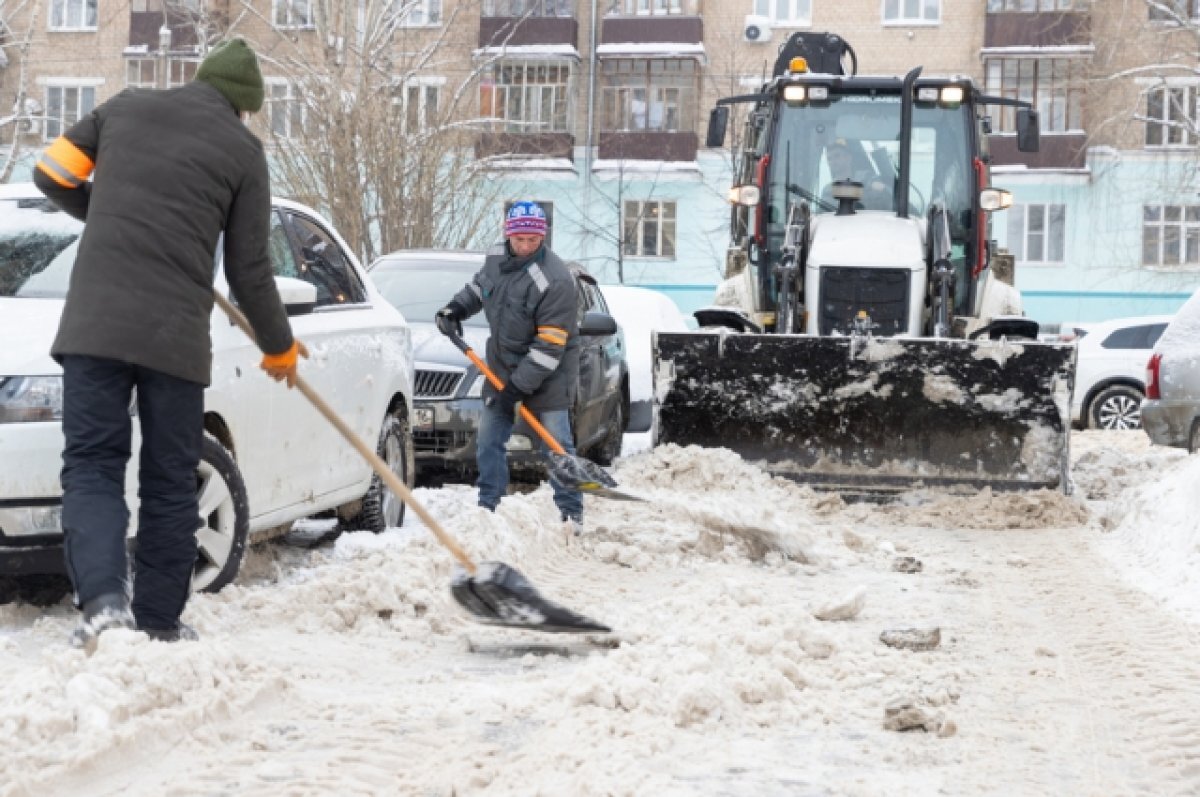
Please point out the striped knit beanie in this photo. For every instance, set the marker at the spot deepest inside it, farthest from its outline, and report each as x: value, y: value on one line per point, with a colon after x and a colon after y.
x: 525, y: 218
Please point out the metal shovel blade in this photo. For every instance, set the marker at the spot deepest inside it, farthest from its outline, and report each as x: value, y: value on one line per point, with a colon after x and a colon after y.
x: 500, y: 595
x: 587, y: 477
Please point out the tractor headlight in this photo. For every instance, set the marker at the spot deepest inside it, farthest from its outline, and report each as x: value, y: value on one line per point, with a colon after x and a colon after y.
x: 794, y: 93
x: 746, y: 195
x: 995, y: 199
x: 31, y: 399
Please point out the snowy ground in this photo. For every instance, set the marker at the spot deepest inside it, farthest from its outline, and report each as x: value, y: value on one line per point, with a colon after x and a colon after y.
x: 1066, y: 660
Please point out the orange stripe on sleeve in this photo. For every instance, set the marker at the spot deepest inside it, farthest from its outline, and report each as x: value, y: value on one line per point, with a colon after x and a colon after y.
x: 68, y: 158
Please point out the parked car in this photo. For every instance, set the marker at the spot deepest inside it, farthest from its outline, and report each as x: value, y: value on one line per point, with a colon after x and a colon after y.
x: 1110, y: 371
x: 1171, y: 411
x: 268, y: 457
x: 640, y: 312
x: 449, y: 388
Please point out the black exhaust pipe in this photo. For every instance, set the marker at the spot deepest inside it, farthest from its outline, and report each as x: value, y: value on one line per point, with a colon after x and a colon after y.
x: 906, y: 114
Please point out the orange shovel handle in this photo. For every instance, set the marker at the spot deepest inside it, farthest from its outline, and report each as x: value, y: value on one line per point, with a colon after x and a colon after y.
x: 529, y: 417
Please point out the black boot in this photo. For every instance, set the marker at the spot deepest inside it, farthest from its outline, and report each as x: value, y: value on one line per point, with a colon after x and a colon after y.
x: 182, y: 632
x: 100, y: 614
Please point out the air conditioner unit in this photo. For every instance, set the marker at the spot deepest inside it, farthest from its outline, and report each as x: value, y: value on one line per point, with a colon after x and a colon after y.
x: 757, y: 30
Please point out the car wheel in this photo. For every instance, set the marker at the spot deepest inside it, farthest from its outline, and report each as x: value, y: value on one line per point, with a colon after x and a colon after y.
x: 610, y: 449
x: 1194, y: 437
x: 381, y: 508
x: 1116, y: 407
x: 224, y: 516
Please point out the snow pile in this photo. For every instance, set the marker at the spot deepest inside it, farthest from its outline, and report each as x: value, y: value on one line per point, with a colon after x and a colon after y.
x: 73, y: 708
x: 1156, y: 539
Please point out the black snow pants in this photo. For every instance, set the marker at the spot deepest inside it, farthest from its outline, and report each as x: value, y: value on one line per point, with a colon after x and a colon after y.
x: 97, y: 427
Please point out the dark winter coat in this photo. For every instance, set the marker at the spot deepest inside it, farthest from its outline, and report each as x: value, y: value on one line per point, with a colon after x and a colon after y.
x: 173, y: 169
x: 533, y: 314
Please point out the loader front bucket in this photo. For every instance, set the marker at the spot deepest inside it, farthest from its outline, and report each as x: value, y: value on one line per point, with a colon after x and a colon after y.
x: 872, y: 414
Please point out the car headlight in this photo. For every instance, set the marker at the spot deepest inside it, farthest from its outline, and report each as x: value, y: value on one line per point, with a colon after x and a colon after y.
x: 29, y: 399
x: 476, y: 390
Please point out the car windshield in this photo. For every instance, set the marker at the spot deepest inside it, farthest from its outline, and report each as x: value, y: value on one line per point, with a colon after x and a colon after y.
x: 37, y: 249
x: 419, y: 290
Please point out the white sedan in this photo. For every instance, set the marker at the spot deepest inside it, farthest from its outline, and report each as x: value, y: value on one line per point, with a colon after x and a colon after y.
x: 269, y: 458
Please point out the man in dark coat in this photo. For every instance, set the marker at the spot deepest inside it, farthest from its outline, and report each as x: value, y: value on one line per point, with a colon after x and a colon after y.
x: 528, y: 296
x: 171, y: 170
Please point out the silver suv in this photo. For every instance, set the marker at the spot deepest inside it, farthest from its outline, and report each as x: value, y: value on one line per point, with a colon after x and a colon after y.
x: 1171, y: 411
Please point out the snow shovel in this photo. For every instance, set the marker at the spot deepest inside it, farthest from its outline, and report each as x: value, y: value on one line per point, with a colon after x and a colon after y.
x: 571, y: 471
x: 492, y: 592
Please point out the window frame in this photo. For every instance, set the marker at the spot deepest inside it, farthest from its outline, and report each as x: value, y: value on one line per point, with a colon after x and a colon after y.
x: 1023, y: 213
x: 1156, y: 16
x: 1186, y: 233
x: 63, y: 85
x: 1166, y: 122
x: 619, y: 92
x: 360, y: 298
x: 1035, y: 6
x: 293, y: 105
x: 639, y: 220
x: 800, y: 15
x: 423, y: 14
x: 60, y: 13
x: 424, y: 86
x: 496, y: 97
x: 291, y: 19
x: 997, y: 82
x: 901, y: 19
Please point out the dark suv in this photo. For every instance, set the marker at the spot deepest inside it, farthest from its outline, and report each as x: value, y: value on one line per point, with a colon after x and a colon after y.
x: 448, y: 389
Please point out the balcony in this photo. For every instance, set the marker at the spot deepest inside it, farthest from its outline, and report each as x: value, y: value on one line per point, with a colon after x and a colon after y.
x: 648, y: 145
x: 1057, y: 151
x: 1049, y: 29
x: 525, y: 145
x: 647, y: 22
x: 526, y: 23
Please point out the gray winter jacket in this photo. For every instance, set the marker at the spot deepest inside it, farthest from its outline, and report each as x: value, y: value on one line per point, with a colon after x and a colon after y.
x: 533, y: 314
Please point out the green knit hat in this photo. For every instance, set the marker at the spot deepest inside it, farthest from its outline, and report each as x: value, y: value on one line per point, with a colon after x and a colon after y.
x: 232, y: 69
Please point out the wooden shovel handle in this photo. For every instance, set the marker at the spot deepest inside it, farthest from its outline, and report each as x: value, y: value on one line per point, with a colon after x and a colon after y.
x: 529, y: 417
x: 377, y: 464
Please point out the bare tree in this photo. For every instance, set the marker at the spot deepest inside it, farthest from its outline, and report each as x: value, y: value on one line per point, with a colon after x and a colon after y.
x: 14, y: 60
x: 353, y: 133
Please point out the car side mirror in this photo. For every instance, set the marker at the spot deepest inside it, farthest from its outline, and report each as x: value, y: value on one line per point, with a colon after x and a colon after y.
x: 596, y: 323
x: 1028, y: 130
x: 718, y: 120
x: 299, y: 297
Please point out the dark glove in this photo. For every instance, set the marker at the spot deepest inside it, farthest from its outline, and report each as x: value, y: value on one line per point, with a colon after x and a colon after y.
x: 506, y: 400
x: 449, y: 319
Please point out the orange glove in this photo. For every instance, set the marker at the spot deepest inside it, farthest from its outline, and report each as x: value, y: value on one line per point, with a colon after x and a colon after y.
x: 282, y: 367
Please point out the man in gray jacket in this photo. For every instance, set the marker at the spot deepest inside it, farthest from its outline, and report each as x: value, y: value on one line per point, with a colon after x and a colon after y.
x: 171, y: 170
x: 528, y: 296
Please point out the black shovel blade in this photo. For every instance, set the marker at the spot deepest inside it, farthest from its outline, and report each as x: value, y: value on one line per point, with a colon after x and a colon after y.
x: 500, y: 595
x: 580, y: 473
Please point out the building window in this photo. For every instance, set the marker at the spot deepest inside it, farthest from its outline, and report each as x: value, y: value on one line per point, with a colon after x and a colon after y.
x: 785, y: 12
x: 1034, y: 6
x: 421, y: 13
x: 1171, y: 116
x: 285, y: 109
x: 648, y: 94
x: 141, y: 73
x: 72, y: 14
x: 1174, y: 10
x: 418, y: 103
x: 529, y: 8
x: 1037, y: 233
x: 66, y: 105
x: 649, y: 229
x: 1171, y: 235
x: 645, y: 8
x: 908, y: 12
x: 292, y: 14
x: 1055, y: 86
x: 181, y: 71
x: 529, y: 97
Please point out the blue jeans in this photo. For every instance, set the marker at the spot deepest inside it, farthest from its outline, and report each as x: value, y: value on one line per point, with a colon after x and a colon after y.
x: 97, y: 428
x: 494, y: 430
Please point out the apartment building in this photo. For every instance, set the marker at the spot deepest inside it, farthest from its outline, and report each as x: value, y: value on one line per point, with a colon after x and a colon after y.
x: 597, y: 108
